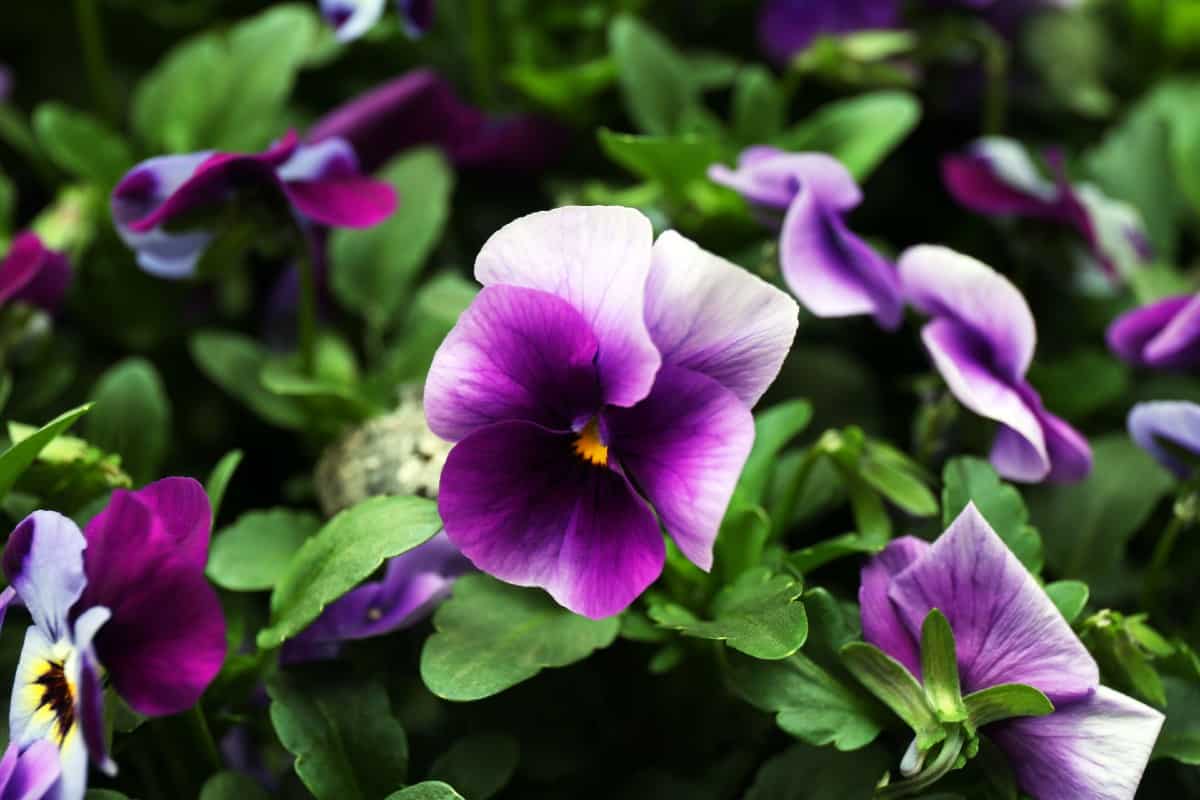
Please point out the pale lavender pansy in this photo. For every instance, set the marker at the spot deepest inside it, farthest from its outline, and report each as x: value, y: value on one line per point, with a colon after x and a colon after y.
x: 32, y: 273
x: 598, y: 387
x: 321, y: 183
x: 126, y: 600
x: 1162, y: 335
x: 413, y: 584
x: 997, y: 176
x: 1096, y: 743
x: 30, y: 773
x: 981, y: 338
x: 1169, y: 430
x: 351, y: 19
x: 833, y: 272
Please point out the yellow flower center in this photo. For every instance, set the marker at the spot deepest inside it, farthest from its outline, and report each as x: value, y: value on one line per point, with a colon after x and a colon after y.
x: 589, y: 447
x: 55, y: 697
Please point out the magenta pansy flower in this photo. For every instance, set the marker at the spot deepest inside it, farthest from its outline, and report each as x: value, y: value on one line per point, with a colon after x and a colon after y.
x: 833, y: 271
x: 127, y: 602
x: 1169, y: 430
x: 997, y: 176
x: 321, y: 183
x: 599, y: 387
x: 1162, y: 335
x: 981, y: 338
x: 32, y: 273
x: 351, y: 19
x: 1096, y: 742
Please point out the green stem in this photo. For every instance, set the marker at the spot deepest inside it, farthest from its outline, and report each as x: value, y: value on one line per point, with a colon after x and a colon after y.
x: 306, y: 313
x: 1166, y: 543
x: 481, y: 49
x: 91, y: 40
x: 994, y: 53
x: 202, y: 735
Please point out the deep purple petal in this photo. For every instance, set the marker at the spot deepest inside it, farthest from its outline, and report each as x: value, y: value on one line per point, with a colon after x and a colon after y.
x: 322, y: 181
x: 43, y: 561
x: 1176, y: 345
x: 350, y: 19
x: 32, y: 772
x: 518, y: 502
x: 32, y: 273
x: 1175, y: 422
x: 943, y: 283
x: 1006, y: 629
x: 881, y: 623
x: 1095, y: 748
x: 787, y: 26
x: 997, y: 176
x: 597, y: 258
x: 684, y: 446
x: 715, y: 318
x: 514, y: 354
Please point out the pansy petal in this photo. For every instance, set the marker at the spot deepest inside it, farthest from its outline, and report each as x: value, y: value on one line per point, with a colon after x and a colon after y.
x: 1173, y: 422
x: 514, y: 354
x: 350, y: 19
x: 1006, y: 629
x: 944, y: 283
x: 597, y: 258
x: 34, y: 771
x: 323, y: 182
x: 1178, y: 341
x: 1132, y: 332
x: 881, y: 622
x: 713, y: 317
x: 1069, y: 452
x: 29, y: 719
x: 89, y: 688
x: 1095, y: 748
x: 786, y: 27
x: 684, y: 446
x: 771, y: 178
x: 43, y: 561
x: 997, y: 176
x: 520, y: 504
x: 32, y: 273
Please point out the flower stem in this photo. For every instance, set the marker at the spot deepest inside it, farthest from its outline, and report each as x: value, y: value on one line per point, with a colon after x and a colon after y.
x: 91, y: 40
x: 306, y: 313
x: 198, y: 725
x: 994, y: 54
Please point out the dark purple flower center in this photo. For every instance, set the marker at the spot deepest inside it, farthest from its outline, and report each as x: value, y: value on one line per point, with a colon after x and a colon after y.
x: 57, y: 695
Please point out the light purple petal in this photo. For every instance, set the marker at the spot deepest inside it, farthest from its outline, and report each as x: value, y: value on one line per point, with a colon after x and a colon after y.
x: 684, y: 446
x: 89, y: 688
x: 786, y: 27
x: 881, y: 623
x: 1175, y: 345
x: 1006, y: 630
x: 32, y: 273
x: 943, y: 283
x: 43, y: 561
x: 597, y: 258
x: 350, y: 19
x: 1176, y: 422
x: 1096, y: 748
x: 997, y: 176
x: 1114, y: 230
x: 143, y: 190
x: 514, y: 354
x: 771, y: 178
x: 518, y: 502
x: 33, y: 772
x: 715, y: 318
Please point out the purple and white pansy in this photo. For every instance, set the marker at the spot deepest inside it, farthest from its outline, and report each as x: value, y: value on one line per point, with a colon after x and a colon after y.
x: 830, y: 269
x: 321, y: 183
x: 1169, y: 430
x: 599, y: 387
x: 981, y: 338
x: 351, y: 19
x: 1095, y: 743
x: 34, y: 274
x: 124, y: 601
x: 1164, y: 334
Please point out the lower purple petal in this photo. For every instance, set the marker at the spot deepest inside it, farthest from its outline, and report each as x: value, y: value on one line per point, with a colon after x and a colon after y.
x: 1133, y: 331
x: 881, y: 624
x: 32, y: 273
x: 32, y: 773
x: 1174, y: 422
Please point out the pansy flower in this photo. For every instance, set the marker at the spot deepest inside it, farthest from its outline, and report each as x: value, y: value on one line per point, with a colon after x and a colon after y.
x: 124, y: 602
x: 833, y: 271
x: 351, y: 19
x: 1169, y: 430
x: 599, y: 386
x: 1162, y: 335
x: 997, y: 176
x: 1095, y: 743
x: 981, y: 338
x: 321, y: 183
x: 32, y: 273
x: 30, y: 773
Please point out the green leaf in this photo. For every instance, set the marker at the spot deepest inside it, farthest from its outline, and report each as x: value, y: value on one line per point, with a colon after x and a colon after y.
x: 341, y: 555
x: 656, y: 80
x: 219, y: 478
x: 1069, y: 597
x: 347, y: 744
x: 677, y: 164
x: 939, y: 668
x: 760, y: 615
x: 1005, y: 701
x: 973, y: 480
x: 895, y: 687
x: 235, y: 362
x: 104, y: 794
x: 807, y: 559
x: 426, y: 790
x: 374, y: 268
x: 490, y: 636
x: 80, y: 144
x: 810, y: 773
x: 252, y: 554
x: 773, y: 429
x: 567, y: 90
x: 1107, y: 380
x: 479, y: 765
x: 1180, y: 737
x: 131, y: 417
x: 741, y: 540
x: 16, y: 459
x: 232, y: 786
x: 759, y: 107
x: 859, y: 131
x: 895, y: 479
x: 1093, y: 520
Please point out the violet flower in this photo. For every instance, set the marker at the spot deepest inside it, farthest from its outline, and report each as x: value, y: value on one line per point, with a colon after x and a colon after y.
x: 29, y: 774
x: 997, y: 176
x: 321, y: 183
x: 594, y: 361
x: 1162, y: 335
x: 1169, y: 430
x: 127, y: 599
x: 32, y: 273
x: 833, y: 271
x: 1096, y: 742
x: 351, y: 19
x: 981, y: 340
